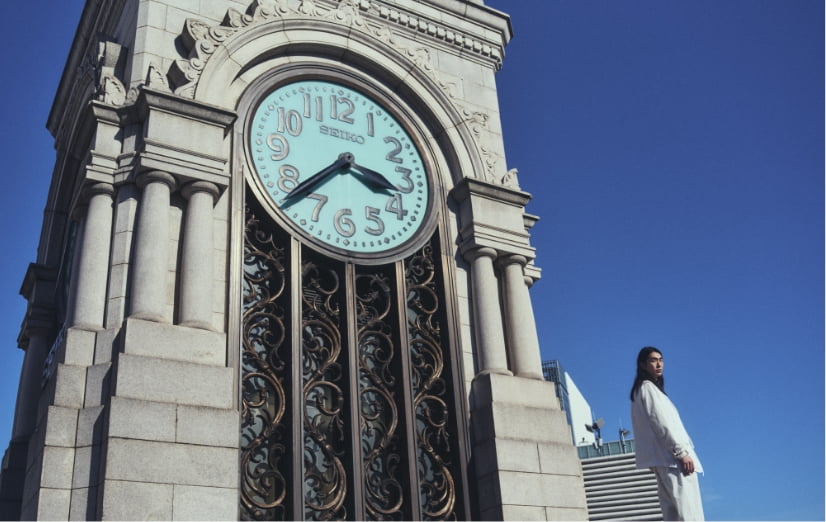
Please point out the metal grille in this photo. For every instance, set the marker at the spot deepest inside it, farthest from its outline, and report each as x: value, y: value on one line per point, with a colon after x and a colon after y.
x: 350, y: 405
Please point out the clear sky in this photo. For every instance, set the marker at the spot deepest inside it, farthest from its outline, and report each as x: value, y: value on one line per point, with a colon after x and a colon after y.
x: 675, y: 152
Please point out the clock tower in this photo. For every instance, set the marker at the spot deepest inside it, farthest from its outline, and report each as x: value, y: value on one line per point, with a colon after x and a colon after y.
x: 284, y: 274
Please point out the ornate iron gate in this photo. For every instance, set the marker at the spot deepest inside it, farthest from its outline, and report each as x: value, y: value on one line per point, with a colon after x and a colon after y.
x: 350, y: 408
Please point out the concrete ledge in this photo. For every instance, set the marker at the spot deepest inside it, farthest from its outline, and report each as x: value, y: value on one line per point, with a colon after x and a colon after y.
x: 558, y: 513
x: 560, y: 459
x: 136, y: 501
x: 512, y: 421
x: 70, y: 385
x: 53, y: 504
x: 84, y: 504
x: 80, y: 346
x: 152, y: 379
x: 511, y: 455
x: 89, y: 426
x: 510, y: 389
x: 532, y: 489
x: 57, y: 469
x: 145, y: 420
x: 523, y: 513
x: 174, y: 342
x: 171, y: 463
x: 207, y: 426
x: 200, y: 503
x: 61, y: 426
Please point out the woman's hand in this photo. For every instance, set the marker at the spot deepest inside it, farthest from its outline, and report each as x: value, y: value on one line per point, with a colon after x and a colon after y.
x: 687, y: 465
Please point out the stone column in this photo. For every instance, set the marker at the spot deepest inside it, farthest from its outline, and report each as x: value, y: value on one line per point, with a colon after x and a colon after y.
x: 196, y: 263
x: 92, y: 270
x: 522, y: 340
x: 487, y: 316
x: 151, y: 247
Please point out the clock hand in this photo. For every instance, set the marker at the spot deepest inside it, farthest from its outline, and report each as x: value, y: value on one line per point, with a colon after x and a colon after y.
x: 310, y: 183
x: 373, y: 177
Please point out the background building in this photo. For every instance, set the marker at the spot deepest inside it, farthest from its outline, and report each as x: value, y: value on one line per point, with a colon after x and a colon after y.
x: 572, y: 401
x: 614, y: 488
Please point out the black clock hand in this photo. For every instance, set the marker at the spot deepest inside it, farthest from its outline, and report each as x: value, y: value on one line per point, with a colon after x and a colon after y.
x: 373, y: 177
x: 310, y: 183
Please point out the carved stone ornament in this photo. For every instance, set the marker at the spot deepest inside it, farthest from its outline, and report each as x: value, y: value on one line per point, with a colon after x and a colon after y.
x: 108, y: 67
x: 202, y: 40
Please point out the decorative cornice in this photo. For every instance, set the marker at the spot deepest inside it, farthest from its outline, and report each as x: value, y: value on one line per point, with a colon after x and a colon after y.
x: 201, y: 39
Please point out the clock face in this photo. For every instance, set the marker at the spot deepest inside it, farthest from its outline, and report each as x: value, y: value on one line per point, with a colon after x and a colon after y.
x: 339, y: 167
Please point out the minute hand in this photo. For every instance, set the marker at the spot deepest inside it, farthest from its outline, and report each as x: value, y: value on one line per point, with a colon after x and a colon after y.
x: 310, y: 183
x: 373, y: 177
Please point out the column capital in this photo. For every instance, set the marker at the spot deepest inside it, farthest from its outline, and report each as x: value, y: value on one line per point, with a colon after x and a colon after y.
x: 200, y: 186
x: 93, y: 189
x: 471, y: 254
x: 87, y: 193
x: 511, y: 259
x: 145, y: 178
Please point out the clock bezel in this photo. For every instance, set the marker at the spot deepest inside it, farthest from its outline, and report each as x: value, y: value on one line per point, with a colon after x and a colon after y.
x: 389, y: 102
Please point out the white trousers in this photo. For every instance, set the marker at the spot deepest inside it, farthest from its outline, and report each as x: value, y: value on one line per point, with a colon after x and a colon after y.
x: 679, y: 494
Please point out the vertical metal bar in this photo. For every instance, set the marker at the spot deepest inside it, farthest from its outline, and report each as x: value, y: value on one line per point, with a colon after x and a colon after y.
x: 296, y: 386
x: 235, y: 301
x: 352, y: 348
x: 447, y: 285
x: 415, y: 510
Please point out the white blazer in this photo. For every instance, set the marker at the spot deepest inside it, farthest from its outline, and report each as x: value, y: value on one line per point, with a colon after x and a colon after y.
x: 659, y: 435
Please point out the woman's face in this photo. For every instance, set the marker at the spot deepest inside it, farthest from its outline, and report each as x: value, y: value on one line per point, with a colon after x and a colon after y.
x: 654, y: 365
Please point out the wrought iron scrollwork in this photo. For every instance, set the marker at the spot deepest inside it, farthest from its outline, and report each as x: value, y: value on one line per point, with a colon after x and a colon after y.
x: 325, y: 426
x: 348, y: 417
x: 430, y: 390
x: 264, y: 432
x: 378, y: 395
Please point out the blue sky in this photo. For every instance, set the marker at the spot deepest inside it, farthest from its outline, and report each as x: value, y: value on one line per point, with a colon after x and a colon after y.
x: 675, y: 152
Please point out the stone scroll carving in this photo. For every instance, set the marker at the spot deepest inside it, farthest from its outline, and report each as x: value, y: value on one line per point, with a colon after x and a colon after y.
x: 201, y: 40
x: 108, y: 70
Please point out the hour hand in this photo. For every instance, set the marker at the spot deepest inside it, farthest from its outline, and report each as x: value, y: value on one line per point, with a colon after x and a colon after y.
x: 374, y: 178
x: 310, y: 183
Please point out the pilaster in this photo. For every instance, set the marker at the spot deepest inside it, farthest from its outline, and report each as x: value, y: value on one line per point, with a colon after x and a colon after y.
x: 487, y: 318
x: 151, y: 247
x: 196, y: 264
x: 520, y: 324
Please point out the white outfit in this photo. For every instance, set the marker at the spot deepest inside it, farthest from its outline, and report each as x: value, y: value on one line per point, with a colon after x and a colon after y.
x: 661, y: 442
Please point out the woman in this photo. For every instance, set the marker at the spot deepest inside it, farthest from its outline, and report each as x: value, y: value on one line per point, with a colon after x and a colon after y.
x: 662, y: 442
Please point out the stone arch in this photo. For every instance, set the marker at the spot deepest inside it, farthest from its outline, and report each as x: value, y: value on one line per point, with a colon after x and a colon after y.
x: 237, y: 56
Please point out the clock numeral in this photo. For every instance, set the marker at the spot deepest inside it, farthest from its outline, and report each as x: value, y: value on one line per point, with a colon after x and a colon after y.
x: 344, y: 225
x: 397, y: 149
x: 394, y: 205
x: 341, y: 108
x: 322, y: 200
x: 308, y: 107
x: 288, y: 178
x: 349, y: 107
x: 278, y: 144
x: 406, y: 177
x: 372, y: 214
x: 370, y: 128
x: 289, y: 121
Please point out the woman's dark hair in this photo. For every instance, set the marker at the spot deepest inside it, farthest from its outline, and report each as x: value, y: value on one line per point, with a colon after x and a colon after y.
x: 642, y: 374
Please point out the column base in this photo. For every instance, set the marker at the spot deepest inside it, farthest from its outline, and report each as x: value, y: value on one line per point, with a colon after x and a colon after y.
x: 525, y: 462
